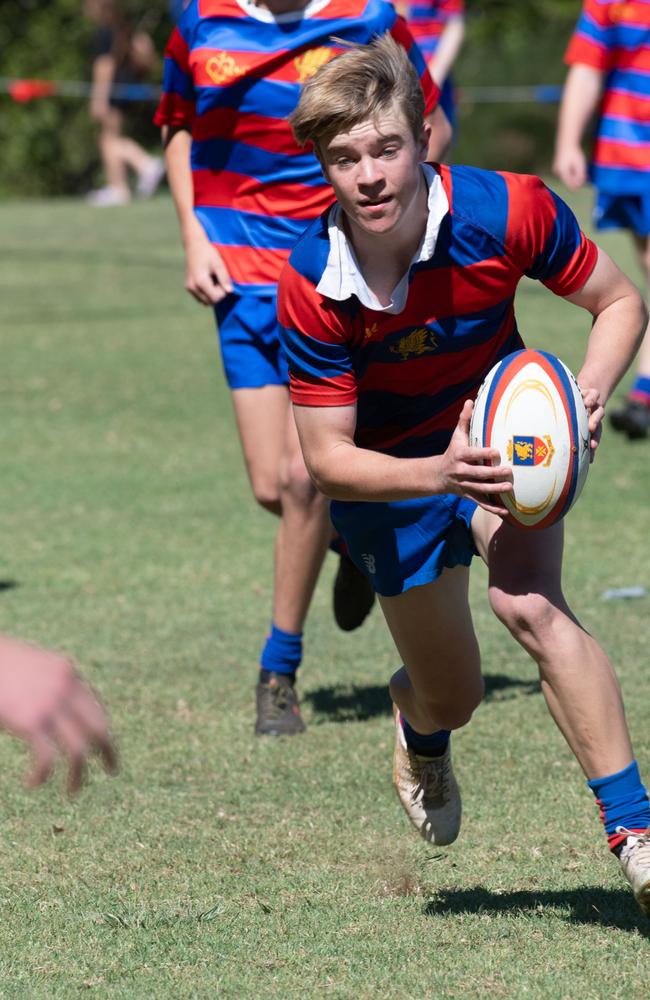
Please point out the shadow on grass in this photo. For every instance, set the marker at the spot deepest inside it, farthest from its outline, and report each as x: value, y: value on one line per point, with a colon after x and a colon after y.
x: 8, y: 584
x: 591, y: 905
x: 349, y: 702
x: 499, y: 687
x: 355, y: 702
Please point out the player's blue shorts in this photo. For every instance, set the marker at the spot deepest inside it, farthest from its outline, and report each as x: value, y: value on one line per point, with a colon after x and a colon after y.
x: 251, y: 352
x: 406, y: 543
x: 623, y: 211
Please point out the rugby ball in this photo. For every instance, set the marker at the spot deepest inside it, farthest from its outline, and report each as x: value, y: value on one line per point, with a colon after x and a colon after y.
x: 530, y: 409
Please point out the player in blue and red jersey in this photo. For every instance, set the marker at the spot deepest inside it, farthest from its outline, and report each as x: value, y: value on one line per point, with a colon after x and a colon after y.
x: 609, y: 56
x: 244, y: 193
x: 394, y: 305
x: 438, y: 27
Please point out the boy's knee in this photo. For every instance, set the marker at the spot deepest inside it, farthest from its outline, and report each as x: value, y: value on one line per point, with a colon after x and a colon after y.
x: 296, y: 484
x: 266, y: 492
x: 529, y: 615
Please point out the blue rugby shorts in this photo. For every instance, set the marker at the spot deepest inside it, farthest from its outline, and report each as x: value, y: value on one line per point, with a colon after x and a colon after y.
x: 623, y: 211
x: 251, y: 352
x: 406, y: 543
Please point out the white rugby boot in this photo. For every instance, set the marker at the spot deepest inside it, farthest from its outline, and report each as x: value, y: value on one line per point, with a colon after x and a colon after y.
x: 635, y: 862
x: 428, y: 790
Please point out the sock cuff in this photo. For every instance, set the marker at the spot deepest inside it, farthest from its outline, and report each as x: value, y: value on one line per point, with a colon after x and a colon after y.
x: 282, y: 651
x: 631, y: 772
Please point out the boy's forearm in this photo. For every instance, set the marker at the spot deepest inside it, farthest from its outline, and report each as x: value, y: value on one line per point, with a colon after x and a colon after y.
x: 614, y: 340
x: 350, y: 473
x: 177, y: 143
x: 580, y: 99
x: 447, y: 51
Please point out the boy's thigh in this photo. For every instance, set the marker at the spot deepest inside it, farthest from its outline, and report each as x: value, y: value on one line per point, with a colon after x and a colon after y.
x: 432, y: 628
x: 519, y: 560
x: 262, y: 416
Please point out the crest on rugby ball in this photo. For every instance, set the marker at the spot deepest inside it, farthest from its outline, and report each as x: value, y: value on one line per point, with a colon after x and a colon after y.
x: 530, y: 450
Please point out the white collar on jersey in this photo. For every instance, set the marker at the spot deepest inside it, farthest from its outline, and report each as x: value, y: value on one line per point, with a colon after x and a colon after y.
x: 264, y: 14
x: 342, y: 276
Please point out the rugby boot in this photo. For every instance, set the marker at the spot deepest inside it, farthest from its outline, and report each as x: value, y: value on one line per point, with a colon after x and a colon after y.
x: 428, y: 790
x: 635, y: 862
x: 278, y: 710
x: 633, y: 419
x: 353, y: 597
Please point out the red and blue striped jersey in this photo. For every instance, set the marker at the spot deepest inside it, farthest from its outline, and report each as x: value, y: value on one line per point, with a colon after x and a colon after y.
x: 409, y: 373
x: 426, y: 20
x: 614, y: 37
x: 233, y: 75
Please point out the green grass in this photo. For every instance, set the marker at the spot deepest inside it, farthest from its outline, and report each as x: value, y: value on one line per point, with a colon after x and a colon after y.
x: 221, y: 865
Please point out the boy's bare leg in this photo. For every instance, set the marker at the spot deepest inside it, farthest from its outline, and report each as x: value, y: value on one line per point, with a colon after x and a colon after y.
x: 440, y: 684
x: 578, y: 680
x: 437, y: 690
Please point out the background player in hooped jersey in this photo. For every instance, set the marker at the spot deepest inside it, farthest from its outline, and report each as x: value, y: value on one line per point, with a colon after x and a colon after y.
x: 609, y: 58
x: 244, y: 193
x: 393, y: 306
x: 438, y: 27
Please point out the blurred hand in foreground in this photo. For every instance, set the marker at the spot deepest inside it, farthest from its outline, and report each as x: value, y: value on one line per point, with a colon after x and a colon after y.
x: 45, y: 702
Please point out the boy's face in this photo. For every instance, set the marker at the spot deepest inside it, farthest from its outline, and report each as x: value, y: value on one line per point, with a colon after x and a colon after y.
x: 374, y: 170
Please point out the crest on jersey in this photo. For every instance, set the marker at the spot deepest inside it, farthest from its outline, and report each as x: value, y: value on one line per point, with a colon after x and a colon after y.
x: 307, y: 64
x: 222, y: 68
x: 422, y: 341
x: 530, y: 450
x: 369, y: 331
x: 622, y: 12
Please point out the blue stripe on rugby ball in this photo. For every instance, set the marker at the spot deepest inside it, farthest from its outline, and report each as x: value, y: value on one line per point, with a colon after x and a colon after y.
x: 560, y: 371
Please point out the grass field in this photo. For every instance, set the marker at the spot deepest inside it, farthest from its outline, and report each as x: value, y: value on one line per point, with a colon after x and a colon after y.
x: 218, y: 864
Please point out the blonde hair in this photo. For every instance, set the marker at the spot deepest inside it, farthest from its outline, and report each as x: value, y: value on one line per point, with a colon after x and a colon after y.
x: 354, y: 86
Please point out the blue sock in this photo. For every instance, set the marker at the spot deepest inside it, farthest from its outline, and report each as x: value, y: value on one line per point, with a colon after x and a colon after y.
x: 623, y: 801
x: 429, y: 745
x: 282, y: 651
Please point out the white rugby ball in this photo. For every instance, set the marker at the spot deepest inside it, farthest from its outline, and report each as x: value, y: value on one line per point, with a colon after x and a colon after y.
x: 530, y: 409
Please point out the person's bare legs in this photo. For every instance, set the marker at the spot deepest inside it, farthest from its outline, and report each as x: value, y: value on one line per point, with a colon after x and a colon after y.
x: 440, y: 684
x: 303, y: 536
x: 436, y: 690
x: 281, y: 484
x: 119, y: 153
x: 578, y: 680
x: 261, y: 416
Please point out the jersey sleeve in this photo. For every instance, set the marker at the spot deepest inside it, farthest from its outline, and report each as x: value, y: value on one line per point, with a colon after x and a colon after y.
x: 312, y: 332
x: 431, y: 90
x: 177, y: 105
x: 591, y: 42
x: 543, y: 236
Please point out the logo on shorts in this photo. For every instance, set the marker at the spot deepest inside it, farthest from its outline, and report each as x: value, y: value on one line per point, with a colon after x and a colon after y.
x: 221, y: 68
x: 369, y: 562
x: 530, y: 450
x: 312, y: 60
x: 422, y: 341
